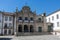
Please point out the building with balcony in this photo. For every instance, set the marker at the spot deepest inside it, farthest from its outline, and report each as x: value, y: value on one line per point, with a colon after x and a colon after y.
x: 23, y: 22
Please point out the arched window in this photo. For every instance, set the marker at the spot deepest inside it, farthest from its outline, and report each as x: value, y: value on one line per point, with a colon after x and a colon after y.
x: 20, y: 18
x: 39, y: 19
x: 39, y: 29
x: 31, y: 18
x: 19, y: 28
x: 31, y: 28
x: 26, y: 28
x: 26, y: 18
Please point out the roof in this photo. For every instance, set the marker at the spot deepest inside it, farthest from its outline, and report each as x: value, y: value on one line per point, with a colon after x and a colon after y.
x: 8, y: 13
x: 53, y: 12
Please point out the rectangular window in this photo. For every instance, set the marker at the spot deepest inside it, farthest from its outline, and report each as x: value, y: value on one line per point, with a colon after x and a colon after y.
x: 5, y: 32
x: 5, y: 26
x: 57, y: 16
x: 6, y: 18
x: 10, y: 18
x: 52, y: 17
x: 0, y: 20
x: 57, y: 24
x: 49, y: 19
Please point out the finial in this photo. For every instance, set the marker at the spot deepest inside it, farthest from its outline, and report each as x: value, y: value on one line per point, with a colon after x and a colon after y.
x: 44, y: 13
x: 16, y: 9
x: 35, y: 11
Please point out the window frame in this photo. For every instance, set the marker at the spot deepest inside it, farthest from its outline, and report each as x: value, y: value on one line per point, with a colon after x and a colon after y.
x: 39, y: 19
x: 26, y: 18
x: 10, y: 18
x: 57, y: 24
x: 19, y: 18
x: 57, y: 16
x: 10, y: 24
x: 52, y: 17
x: 31, y: 18
x: 6, y: 18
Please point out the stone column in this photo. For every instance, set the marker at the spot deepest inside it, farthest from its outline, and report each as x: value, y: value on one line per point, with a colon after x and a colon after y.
x: 3, y: 31
x: 16, y: 29
x: 7, y: 31
x: 29, y: 28
x: 23, y: 28
x: 11, y: 31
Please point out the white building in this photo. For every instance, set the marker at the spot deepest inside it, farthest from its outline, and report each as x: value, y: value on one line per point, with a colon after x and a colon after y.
x: 0, y: 22
x: 55, y: 19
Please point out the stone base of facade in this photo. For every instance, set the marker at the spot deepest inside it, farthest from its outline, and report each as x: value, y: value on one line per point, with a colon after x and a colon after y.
x: 33, y: 33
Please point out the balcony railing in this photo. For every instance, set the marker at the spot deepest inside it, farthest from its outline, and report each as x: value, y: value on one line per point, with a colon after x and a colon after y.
x: 9, y: 27
x: 25, y: 20
x: 31, y: 21
x: 20, y: 20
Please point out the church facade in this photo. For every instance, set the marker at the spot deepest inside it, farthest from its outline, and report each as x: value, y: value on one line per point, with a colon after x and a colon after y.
x: 24, y: 22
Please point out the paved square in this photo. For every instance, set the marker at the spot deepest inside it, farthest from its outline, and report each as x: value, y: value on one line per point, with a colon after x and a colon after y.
x: 38, y: 37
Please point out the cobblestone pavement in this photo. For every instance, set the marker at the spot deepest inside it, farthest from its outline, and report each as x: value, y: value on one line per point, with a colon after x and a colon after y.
x: 39, y: 37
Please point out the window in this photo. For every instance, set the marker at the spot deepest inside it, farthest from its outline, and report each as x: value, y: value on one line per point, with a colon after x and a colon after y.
x: 26, y: 18
x: 0, y: 20
x: 52, y: 17
x: 57, y: 16
x: 49, y: 19
x: 20, y: 18
x: 9, y: 31
x: 6, y: 18
x: 5, y: 26
x: 50, y: 29
x: 10, y: 18
x: 39, y: 29
x: 10, y: 24
x: 31, y: 18
x: 5, y: 31
x: 39, y: 19
x: 57, y: 24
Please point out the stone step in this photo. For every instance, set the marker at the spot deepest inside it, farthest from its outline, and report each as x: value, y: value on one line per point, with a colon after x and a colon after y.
x: 28, y: 34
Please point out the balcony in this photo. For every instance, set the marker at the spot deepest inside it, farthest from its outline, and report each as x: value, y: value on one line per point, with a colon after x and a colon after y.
x: 31, y: 21
x: 26, y: 20
x: 20, y: 20
x: 8, y: 27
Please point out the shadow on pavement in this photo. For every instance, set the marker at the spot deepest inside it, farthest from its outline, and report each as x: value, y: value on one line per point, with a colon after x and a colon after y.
x: 5, y: 38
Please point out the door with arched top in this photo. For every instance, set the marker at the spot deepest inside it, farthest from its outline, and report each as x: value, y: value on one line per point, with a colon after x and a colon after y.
x: 19, y: 28
x: 39, y: 29
x: 31, y: 28
x: 26, y: 28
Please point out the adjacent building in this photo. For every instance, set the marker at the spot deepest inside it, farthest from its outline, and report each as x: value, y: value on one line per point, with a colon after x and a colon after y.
x: 55, y: 19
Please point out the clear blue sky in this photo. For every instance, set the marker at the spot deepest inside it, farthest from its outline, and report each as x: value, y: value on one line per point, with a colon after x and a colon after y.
x: 40, y: 6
